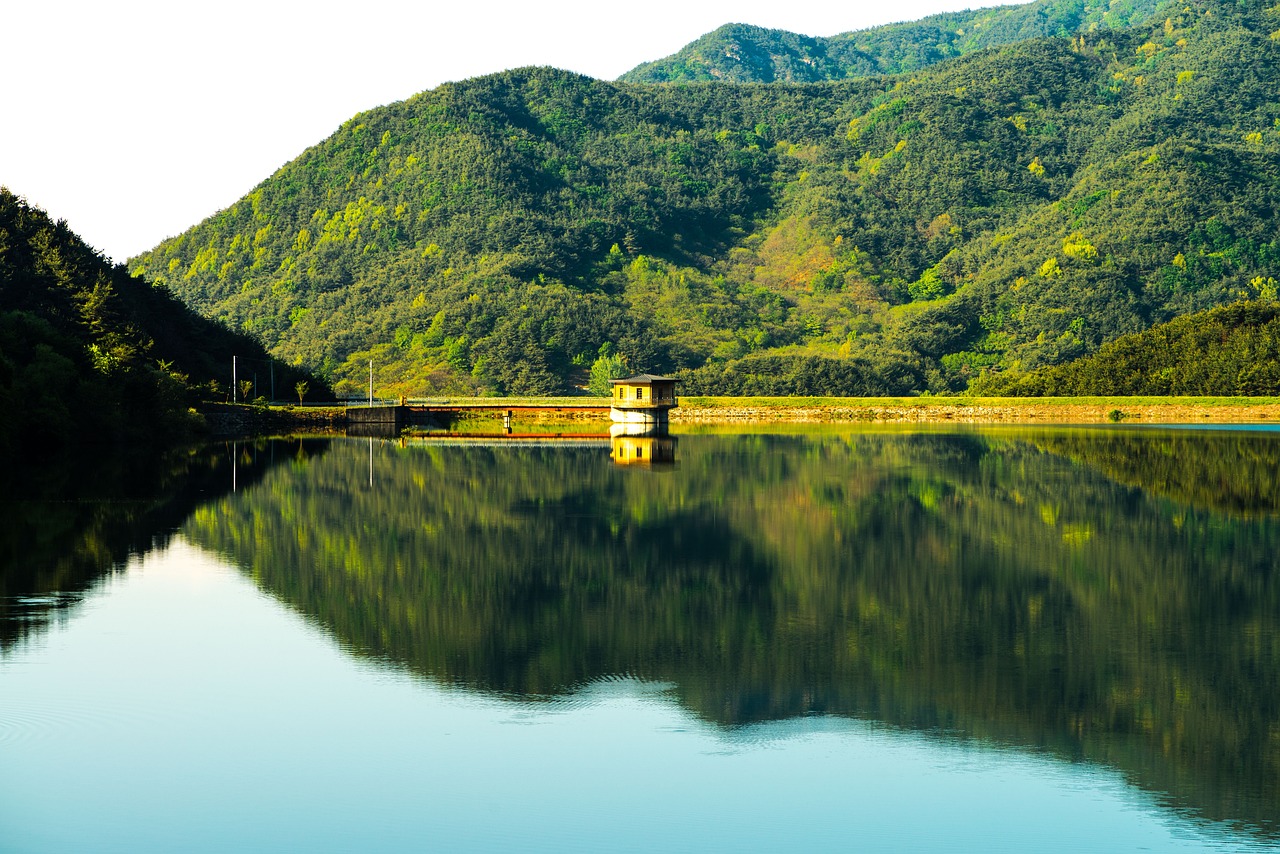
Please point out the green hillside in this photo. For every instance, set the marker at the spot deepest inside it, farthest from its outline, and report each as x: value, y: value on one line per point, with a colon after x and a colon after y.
x: 741, y: 53
x: 1014, y: 208
x: 1232, y: 350
x: 88, y: 351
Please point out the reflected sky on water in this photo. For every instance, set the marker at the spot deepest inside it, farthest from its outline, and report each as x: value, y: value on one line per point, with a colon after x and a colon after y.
x: 259, y: 682
x: 145, y: 725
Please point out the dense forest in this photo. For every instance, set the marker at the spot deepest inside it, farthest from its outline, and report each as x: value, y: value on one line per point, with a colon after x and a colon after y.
x: 1000, y: 585
x: 1013, y: 208
x: 740, y: 53
x: 89, y: 351
x: 1230, y: 350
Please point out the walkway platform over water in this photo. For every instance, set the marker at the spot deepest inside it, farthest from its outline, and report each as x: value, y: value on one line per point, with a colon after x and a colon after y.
x: 397, y: 417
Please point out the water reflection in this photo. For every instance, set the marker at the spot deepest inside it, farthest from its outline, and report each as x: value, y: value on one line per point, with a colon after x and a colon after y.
x: 80, y: 516
x: 1030, y: 589
x: 642, y: 445
x: 1099, y: 596
x: 115, y: 741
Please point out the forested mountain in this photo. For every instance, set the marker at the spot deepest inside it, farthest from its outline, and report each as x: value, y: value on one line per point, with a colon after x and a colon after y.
x: 87, y: 350
x: 1014, y: 208
x: 741, y: 53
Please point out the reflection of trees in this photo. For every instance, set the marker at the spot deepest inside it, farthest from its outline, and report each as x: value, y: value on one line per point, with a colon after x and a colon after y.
x: 1237, y: 472
x: 77, y: 517
x: 976, y: 584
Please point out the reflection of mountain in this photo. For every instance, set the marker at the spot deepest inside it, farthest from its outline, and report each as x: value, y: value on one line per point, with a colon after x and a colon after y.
x: 78, y: 517
x: 1238, y: 472
x: 975, y: 584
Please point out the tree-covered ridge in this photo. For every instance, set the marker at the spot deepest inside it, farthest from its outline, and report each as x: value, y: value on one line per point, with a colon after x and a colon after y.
x: 86, y: 349
x: 1014, y: 208
x: 741, y: 53
x: 1229, y: 350
x: 973, y: 584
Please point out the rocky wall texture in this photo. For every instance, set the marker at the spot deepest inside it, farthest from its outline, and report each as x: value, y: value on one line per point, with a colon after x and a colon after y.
x: 224, y: 419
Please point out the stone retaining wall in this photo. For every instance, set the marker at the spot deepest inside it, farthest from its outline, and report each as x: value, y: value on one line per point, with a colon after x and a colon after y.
x: 226, y: 419
x: 943, y: 413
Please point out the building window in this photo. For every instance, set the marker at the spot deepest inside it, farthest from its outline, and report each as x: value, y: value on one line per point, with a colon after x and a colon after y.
x: 639, y: 394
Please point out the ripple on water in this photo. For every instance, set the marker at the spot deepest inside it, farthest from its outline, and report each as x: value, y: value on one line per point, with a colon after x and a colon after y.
x: 20, y: 723
x: 42, y: 721
x: 23, y: 609
x: 24, y: 720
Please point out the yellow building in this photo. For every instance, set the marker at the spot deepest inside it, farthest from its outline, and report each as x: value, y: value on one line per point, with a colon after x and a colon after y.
x: 643, y: 399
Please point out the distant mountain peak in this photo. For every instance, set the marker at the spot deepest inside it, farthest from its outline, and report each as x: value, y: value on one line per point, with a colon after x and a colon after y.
x: 742, y: 53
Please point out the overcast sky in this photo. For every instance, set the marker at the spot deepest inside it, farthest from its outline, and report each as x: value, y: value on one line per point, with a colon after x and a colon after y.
x: 135, y: 119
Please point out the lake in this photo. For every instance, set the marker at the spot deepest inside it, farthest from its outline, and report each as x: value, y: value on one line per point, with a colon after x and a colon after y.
x: 1057, y: 639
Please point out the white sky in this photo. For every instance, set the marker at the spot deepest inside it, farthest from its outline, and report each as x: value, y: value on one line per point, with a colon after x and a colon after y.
x: 135, y: 119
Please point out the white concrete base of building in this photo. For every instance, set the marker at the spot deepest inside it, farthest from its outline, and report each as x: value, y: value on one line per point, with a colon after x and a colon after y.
x: 646, y: 417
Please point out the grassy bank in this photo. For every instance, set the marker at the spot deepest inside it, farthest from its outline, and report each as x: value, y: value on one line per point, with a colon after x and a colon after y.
x: 980, y: 410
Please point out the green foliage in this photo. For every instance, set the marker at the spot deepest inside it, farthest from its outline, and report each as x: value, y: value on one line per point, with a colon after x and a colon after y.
x: 607, y: 366
x: 1230, y: 350
x: 782, y: 375
x: 740, y: 53
x: 889, y: 233
x: 88, y: 350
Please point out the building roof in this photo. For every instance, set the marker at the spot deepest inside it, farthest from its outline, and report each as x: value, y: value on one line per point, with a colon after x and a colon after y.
x: 643, y: 379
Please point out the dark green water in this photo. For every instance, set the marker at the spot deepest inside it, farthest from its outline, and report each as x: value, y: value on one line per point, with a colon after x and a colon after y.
x: 1058, y: 639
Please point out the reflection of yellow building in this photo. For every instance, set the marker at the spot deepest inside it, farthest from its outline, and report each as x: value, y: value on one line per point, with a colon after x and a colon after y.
x: 643, y: 399
x: 649, y: 450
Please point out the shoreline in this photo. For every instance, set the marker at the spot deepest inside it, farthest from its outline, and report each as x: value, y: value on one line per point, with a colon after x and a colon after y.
x: 223, y: 420
x: 977, y: 411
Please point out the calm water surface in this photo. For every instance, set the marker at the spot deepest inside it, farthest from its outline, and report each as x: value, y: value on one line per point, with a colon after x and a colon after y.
x: 1056, y: 640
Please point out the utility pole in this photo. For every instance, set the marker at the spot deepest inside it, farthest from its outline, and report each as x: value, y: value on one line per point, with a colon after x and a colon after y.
x: 235, y: 380
x: 371, y: 383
